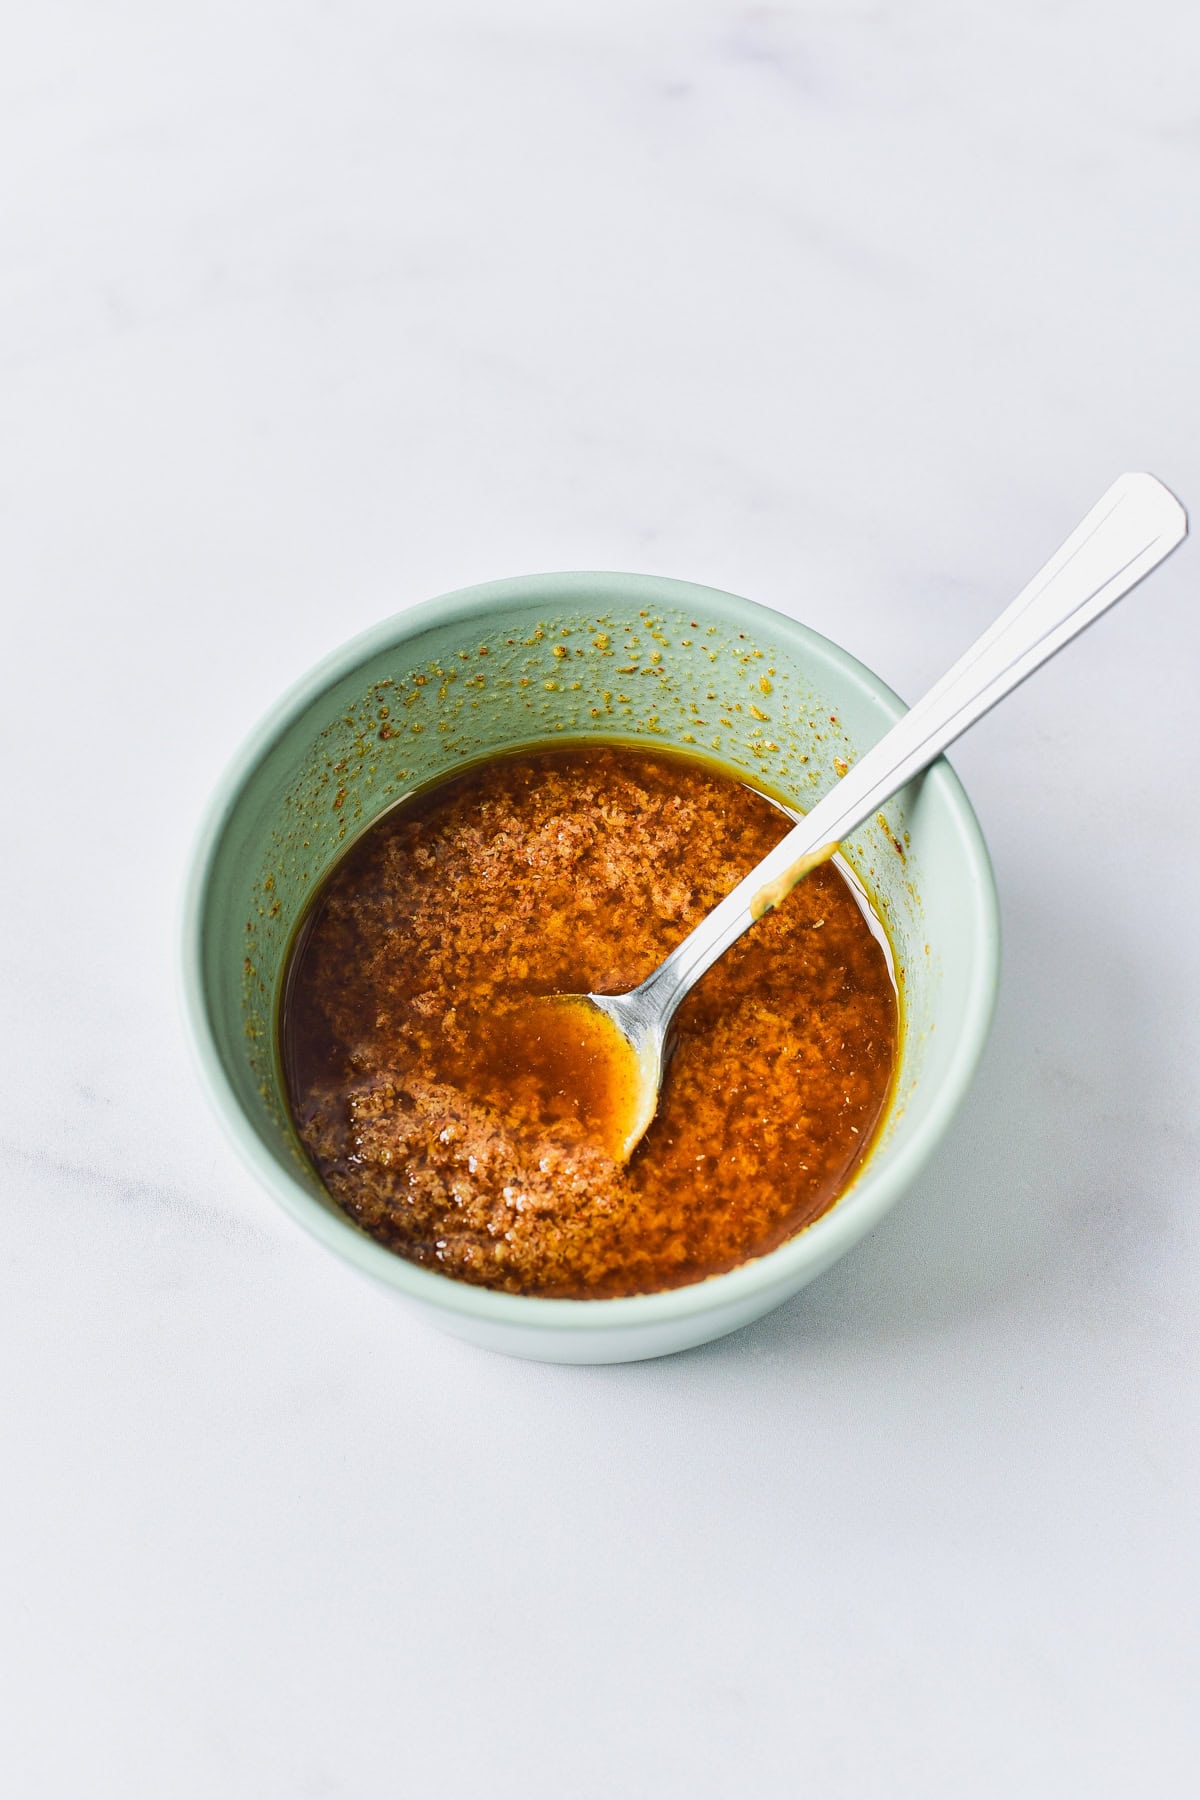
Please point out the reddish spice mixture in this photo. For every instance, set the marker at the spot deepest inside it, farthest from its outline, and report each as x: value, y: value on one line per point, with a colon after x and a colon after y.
x: 572, y: 871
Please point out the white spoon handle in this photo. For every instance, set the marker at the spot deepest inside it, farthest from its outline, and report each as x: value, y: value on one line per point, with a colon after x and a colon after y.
x: 1126, y: 535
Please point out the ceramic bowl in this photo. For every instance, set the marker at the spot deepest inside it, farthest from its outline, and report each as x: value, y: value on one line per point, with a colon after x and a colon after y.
x: 571, y: 657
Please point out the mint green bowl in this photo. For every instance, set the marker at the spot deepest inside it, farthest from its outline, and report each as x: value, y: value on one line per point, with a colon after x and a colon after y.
x: 568, y: 657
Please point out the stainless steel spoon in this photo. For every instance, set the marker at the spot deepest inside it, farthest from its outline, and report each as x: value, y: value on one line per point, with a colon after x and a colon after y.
x: 1126, y: 535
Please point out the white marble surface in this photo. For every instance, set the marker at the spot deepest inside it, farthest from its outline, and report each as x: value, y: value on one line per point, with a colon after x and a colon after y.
x: 307, y: 311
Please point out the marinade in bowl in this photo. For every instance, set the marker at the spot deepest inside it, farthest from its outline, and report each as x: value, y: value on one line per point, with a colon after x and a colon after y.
x: 573, y: 869
x: 590, y: 660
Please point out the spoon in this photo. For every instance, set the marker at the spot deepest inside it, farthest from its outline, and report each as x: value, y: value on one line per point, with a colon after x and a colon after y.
x: 1127, y: 534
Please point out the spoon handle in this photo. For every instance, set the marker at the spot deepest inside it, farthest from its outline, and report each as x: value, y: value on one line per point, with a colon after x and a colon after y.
x: 1128, y: 532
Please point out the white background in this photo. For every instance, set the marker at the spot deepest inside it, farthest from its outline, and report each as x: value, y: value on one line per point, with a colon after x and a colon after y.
x: 309, y: 311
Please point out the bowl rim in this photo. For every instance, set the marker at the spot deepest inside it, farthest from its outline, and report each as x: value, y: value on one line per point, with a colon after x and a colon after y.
x: 853, y: 1214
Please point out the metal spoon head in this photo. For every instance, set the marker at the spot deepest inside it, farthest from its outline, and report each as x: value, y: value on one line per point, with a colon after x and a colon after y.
x: 637, y: 1047
x: 591, y: 1058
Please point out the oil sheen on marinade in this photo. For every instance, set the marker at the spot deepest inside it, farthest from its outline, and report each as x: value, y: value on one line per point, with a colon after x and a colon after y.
x: 576, y: 870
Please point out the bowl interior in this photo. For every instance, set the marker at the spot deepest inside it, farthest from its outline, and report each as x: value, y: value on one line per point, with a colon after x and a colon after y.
x: 560, y: 658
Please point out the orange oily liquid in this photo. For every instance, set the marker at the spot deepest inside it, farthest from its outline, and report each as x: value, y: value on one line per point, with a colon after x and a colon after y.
x: 470, y: 1120
x: 559, y: 1062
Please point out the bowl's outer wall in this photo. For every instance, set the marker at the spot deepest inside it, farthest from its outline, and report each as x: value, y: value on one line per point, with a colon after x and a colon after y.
x: 564, y: 658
